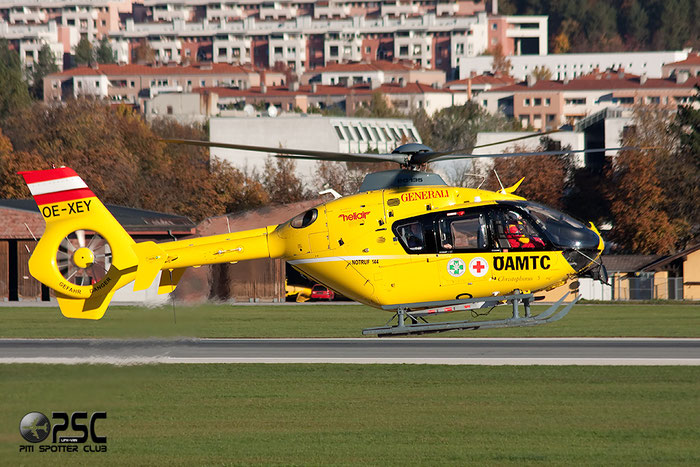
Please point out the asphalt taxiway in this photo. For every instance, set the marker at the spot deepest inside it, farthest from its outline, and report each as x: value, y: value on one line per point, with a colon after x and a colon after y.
x: 456, y: 351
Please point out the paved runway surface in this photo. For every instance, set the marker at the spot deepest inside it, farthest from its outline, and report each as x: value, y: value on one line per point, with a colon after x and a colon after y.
x: 469, y: 351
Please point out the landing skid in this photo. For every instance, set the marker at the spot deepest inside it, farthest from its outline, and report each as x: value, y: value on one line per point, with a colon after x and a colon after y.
x: 415, y: 327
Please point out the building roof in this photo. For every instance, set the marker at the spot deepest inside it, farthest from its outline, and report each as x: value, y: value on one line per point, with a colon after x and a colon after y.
x: 663, y: 262
x: 628, y: 263
x: 693, y: 59
x: 138, y: 70
x: 483, y: 80
x: 16, y: 211
x: 603, y: 81
x: 359, y: 67
x: 323, y: 90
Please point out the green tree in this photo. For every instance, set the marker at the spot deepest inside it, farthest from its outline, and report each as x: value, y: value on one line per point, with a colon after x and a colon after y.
x: 14, y: 94
x: 378, y: 107
x: 634, y: 24
x: 45, y: 65
x: 104, y: 52
x: 84, y: 53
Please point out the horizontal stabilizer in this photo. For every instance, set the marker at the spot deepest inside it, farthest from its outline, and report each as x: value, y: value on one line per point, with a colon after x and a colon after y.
x: 169, y: 280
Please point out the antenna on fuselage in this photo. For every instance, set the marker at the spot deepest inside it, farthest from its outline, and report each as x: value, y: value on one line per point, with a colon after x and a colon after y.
x: 503, y: 190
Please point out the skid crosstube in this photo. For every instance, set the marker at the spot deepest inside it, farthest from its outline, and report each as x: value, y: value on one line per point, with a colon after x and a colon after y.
x: 551, y: 314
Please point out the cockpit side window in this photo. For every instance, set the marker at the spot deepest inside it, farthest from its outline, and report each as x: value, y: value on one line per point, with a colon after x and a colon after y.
x: 514, y: 231
x: 459, y: 232
x: 304, y: 219
x: 411, y: 236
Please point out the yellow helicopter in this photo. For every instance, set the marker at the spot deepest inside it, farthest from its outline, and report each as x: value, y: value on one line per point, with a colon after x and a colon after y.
x: 406, y: 243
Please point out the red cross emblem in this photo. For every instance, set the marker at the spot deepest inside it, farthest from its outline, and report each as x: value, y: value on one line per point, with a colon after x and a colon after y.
x: 478, y: 267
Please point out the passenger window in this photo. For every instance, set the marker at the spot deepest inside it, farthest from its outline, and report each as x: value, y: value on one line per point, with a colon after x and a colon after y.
x: 411, y: 236
x: 514, y: 232
x: 463, y: 232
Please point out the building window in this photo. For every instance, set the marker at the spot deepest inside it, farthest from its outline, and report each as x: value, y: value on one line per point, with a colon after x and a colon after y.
x: 547, y: 101
x: 526, y: 103
x: 334, y: 51
x: 170, y: 110
x: 403, y: 50
x: 537, y: 101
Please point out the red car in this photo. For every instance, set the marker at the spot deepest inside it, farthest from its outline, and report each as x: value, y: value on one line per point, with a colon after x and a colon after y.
x: 321, y: 292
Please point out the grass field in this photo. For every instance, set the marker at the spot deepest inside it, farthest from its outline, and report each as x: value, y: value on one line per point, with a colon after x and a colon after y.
x: 364, y: 414
x: 635, y: 320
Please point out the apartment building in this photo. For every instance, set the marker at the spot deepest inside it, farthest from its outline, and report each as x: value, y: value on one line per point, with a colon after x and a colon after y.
x: 570, y: 66
x: 373, y: 73
x: 91, y: 19
x: 689, y: 67
x: 549, y: 104
x: 299, y: 35
x: 305, y: 98
x: 134, y: 83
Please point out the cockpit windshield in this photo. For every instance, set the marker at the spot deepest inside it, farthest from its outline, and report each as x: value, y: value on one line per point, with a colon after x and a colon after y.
x: 562, y: 229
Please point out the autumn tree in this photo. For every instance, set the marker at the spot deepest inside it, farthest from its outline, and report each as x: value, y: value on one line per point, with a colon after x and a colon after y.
x: 11, y: 162
x: 542, y: 73
x: 144, y: 53
x: 281, y: 182
x: 638, y: 203
x: 545, y: 176
x: 124, y: 161
x: 501, y: 64
x: 680, y: 173
x: 14, y: 94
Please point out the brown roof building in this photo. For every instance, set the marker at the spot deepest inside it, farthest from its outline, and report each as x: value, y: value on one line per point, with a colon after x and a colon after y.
x: 550, y: 104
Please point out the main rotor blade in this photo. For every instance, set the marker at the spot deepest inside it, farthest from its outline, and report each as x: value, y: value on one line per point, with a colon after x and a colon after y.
x: 537, y: 153
x: 422, y: 158
x: 301, y: 153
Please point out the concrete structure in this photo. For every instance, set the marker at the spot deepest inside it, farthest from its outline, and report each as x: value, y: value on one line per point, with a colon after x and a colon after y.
x: 570, y: 66
x: 336, y: 134
x: 22, y: 224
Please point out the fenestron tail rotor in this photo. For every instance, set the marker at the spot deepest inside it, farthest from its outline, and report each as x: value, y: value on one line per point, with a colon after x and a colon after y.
x: 83, y: 262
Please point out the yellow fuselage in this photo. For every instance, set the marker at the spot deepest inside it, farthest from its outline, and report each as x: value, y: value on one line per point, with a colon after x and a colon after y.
x: 350, y: 247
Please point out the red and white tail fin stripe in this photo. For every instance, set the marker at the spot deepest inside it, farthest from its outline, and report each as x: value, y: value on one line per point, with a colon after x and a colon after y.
x: 56, y: 185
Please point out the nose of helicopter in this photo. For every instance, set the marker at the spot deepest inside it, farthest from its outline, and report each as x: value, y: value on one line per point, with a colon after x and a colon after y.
x: 587, y: 245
